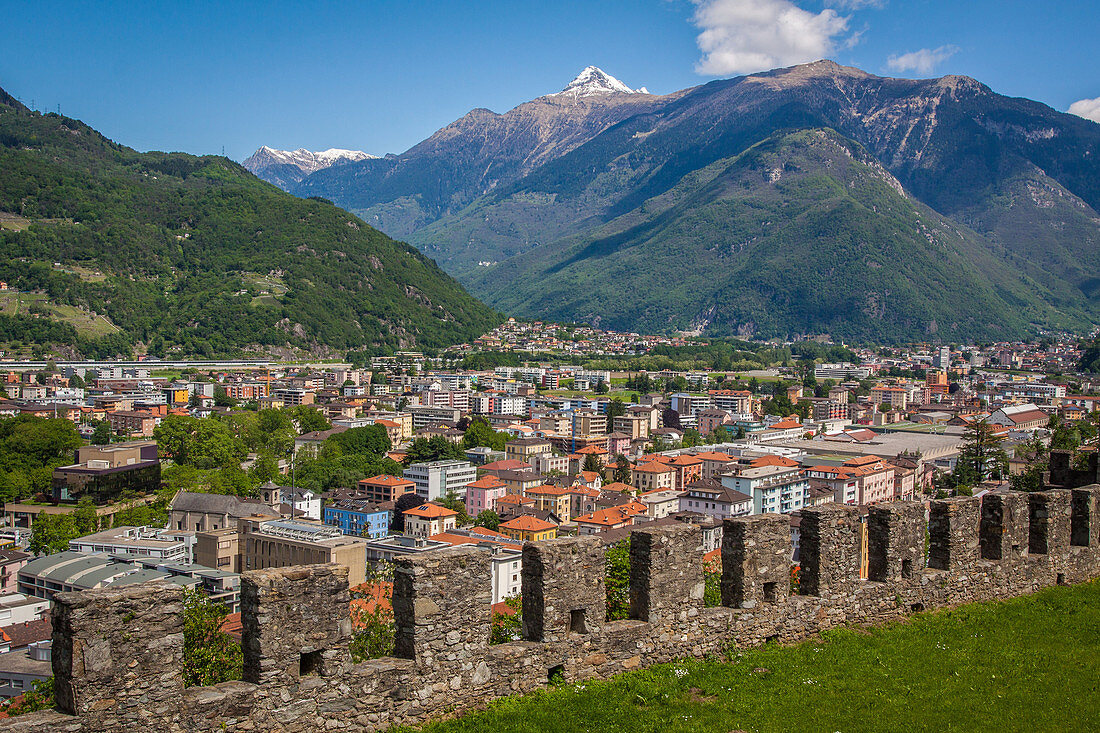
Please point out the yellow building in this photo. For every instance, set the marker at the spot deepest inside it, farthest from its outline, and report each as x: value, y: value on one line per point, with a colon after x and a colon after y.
x: 528, y: 529
x: 552, y: 498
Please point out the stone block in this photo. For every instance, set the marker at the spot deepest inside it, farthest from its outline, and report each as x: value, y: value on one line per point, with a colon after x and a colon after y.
x: 295, y: 622
x: 829, y: 549
x: 895, y: 541
x: 1050, y: 521
x: 441, y: 606
x: 1085, y: 521
x: 563, y: 588
x: 953, y: 526
x: 666, y: 572
x: 117, y: 648
x: 1004, y: 526
x: 756, y: 560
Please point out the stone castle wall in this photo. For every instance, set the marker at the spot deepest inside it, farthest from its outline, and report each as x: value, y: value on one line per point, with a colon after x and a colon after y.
x: 117, y: 653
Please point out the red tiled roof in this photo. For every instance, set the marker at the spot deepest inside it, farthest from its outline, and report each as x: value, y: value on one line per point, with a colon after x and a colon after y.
x: 654, y: 467
x: 527, y: 523
x: 770, y: 460
x: 430, y: 511
x: 383, y: 479
x: 232, y: 626
x: 486, y: 482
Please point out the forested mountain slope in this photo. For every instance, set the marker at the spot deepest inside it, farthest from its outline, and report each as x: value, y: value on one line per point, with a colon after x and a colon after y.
x: 1017, y: 182
x: 184, y: 255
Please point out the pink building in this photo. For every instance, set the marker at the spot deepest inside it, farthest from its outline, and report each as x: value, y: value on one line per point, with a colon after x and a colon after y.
x: 862, y: 480
x: 482, y: 494
x: 11, y: 562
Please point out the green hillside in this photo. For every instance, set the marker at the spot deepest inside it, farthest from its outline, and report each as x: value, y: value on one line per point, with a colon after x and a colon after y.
x: 802, y: 233
x: 181, y: 255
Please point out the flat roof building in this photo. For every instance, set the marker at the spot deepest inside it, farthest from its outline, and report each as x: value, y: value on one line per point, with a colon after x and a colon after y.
x: 138, y: 541
x: 278, y: 543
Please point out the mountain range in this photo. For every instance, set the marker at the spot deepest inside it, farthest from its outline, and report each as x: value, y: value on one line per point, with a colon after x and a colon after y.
x: 287, y: 167
x: 106, y: 251
x: 812, y: 199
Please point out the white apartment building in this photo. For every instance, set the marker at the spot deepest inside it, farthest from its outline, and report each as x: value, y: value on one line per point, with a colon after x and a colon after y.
x: 774, y: 489
x: 436, y: 479
x: 507, y: 572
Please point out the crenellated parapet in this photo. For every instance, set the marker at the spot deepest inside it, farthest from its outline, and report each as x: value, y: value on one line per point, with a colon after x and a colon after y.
x: 118, y: 653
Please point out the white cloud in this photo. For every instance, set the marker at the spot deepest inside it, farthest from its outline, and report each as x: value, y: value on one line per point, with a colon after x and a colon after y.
x: 1087, y: 108
x: 742, y: 36
x: 922, y: 61
x: 856, y: 4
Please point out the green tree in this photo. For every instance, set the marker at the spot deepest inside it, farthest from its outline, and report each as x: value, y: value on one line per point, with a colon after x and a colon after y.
x: 1063, y: 436
x: 601, y: 387
x: 40, y: 697
x: 37, y: 441
x: 488, y: 519
x: 617, y: 580
x: 370, y: 440
x: 51, y: 533
x: 266, y: 468
x: 480, y: 433
x: 102, y: 433
x: 622, y: 470
x: 615, y: 408
x: 981, y: 457
x: 403, y: 503
x: 76, y: 382
x: 309, y: 418
x: 451, y: 502
x: 210, y: 655
x: 592, y: 463
x: 222, y: 399
x: 436, y: 448
x: 203, y: 443
x: 374, y: 632
x: 506, y: 627
x: 692, y: 438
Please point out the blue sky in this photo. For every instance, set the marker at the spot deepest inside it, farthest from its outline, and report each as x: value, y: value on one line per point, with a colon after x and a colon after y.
x: 381, y: 75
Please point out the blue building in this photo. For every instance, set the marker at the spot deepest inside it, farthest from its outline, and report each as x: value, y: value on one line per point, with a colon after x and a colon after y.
x: 359, y: 517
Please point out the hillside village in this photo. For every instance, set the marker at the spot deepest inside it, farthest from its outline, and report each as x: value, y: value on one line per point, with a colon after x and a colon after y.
x: 198, y: 476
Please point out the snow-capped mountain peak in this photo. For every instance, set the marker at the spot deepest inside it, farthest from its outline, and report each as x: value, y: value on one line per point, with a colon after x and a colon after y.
x: 307, y: 160
x: 264, y: 160
x: 593, y: 81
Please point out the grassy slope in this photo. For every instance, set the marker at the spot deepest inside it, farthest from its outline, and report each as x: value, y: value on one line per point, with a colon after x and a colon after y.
x: 1028, y: 664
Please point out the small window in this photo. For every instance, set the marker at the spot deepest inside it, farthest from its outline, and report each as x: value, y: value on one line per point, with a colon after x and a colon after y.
x: 576, y: 621
x: 770, y: 593
x: 310, y: 663
x: 907, y: 568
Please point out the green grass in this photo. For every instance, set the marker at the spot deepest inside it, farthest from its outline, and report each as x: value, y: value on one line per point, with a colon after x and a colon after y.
x: 1029, y: 664
x: 85, y: 324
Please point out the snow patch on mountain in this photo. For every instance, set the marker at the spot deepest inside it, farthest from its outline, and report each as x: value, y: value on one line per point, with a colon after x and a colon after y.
x: 595, y: 81
x: 305, y: 160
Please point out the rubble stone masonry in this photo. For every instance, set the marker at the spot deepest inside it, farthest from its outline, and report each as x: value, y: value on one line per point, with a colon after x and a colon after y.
x: 118, y: 653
